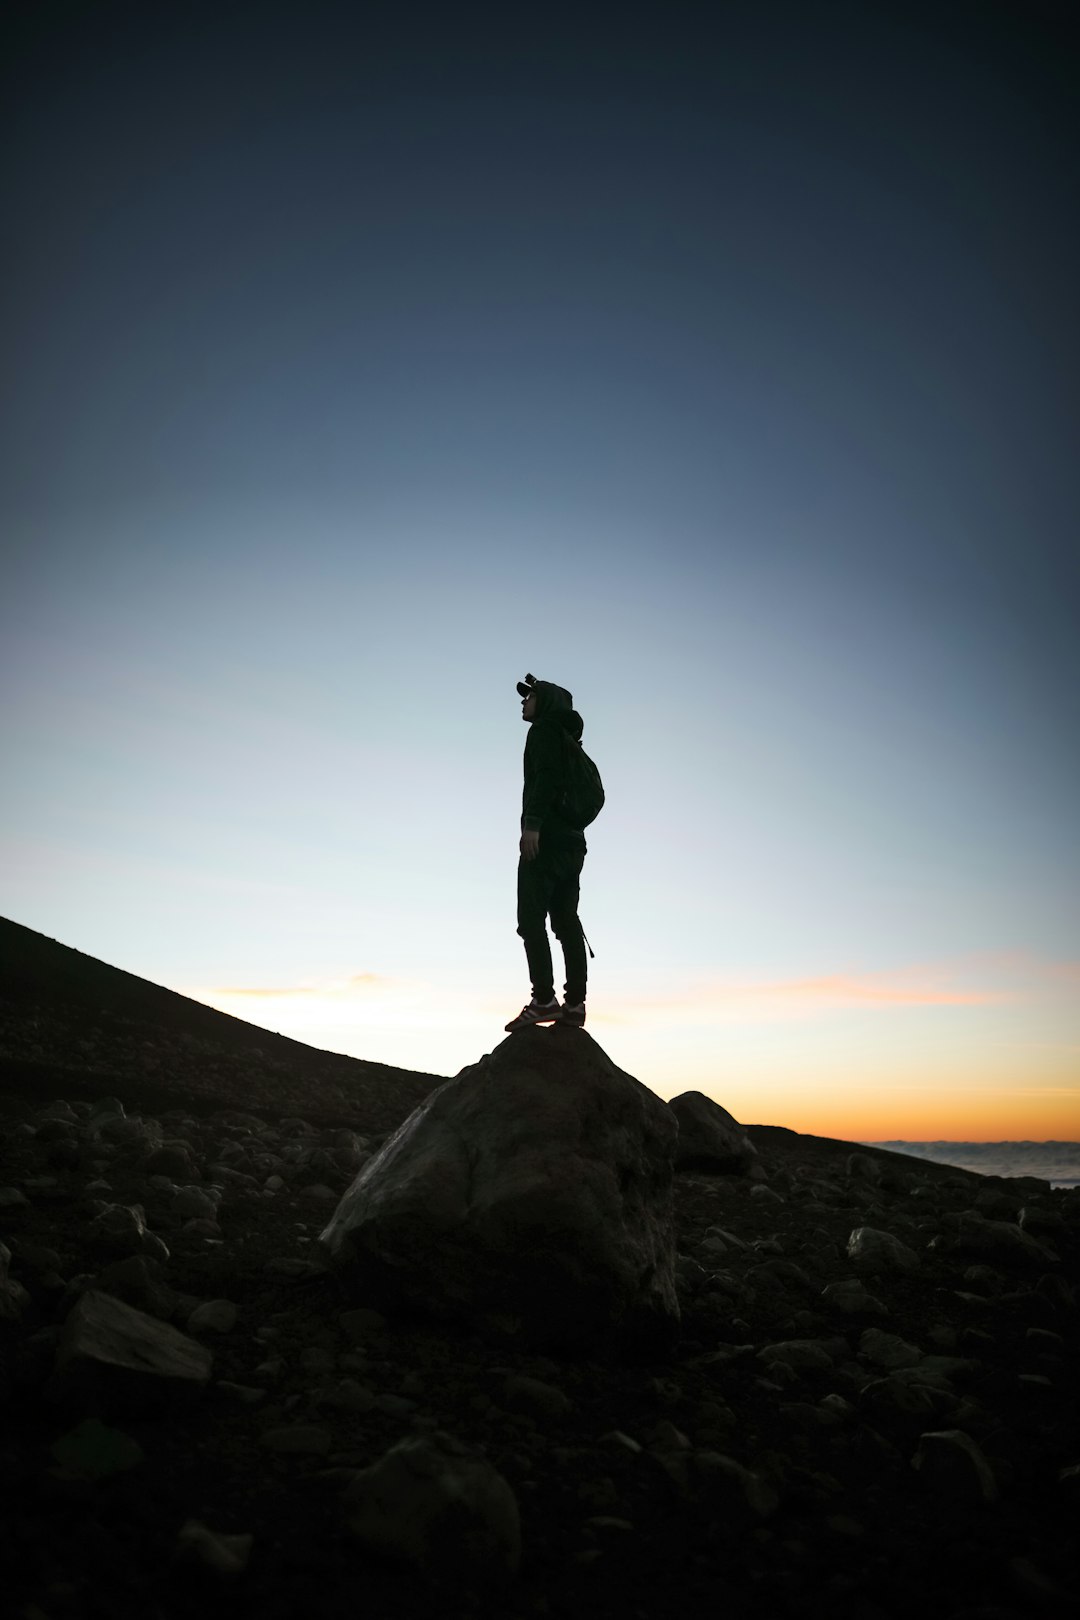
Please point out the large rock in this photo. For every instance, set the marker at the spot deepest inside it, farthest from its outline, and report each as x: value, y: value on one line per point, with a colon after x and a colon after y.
x: 530, y: 1197
x: 112, y: 1358
x: 709, y: 1137
x: 1002, y: 1244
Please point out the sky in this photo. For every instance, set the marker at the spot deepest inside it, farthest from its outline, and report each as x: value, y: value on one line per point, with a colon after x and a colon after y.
x: 715, y: 362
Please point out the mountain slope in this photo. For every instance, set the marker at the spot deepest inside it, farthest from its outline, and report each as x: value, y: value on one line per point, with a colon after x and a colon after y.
x: 69, y: 1020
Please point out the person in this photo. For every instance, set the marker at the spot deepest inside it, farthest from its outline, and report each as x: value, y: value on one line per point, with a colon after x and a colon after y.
x: 552, y: 852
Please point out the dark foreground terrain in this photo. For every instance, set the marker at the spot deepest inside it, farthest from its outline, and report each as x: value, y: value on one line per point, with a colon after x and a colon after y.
x: 904, y: 1443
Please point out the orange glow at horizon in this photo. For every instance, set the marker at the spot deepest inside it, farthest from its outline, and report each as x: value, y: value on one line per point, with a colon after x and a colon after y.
x: 945, y: 1115
x: 906, y: 1056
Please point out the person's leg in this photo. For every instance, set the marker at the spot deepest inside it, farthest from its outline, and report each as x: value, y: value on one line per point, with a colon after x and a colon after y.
x: 566, y: 925
x: 533, y: 890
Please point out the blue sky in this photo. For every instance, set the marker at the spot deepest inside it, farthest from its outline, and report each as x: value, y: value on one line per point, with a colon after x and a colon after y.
x: 718, y: 369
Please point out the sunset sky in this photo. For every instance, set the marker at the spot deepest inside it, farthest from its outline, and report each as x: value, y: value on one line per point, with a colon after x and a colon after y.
x: 715, y: 362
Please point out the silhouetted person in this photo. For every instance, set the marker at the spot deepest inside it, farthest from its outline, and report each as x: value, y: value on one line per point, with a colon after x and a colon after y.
x: 559, y: 798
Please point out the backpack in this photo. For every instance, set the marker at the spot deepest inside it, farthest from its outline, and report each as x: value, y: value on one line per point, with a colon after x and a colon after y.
x: 583, y: 796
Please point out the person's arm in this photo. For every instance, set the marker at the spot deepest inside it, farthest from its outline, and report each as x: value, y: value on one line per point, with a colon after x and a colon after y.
x: 545, y: 783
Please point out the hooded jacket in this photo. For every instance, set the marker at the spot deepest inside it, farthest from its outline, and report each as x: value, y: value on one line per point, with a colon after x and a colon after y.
x: 545, y: 762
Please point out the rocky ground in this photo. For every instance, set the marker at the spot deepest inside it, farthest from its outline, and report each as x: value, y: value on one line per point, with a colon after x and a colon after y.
x: 871, y: 1411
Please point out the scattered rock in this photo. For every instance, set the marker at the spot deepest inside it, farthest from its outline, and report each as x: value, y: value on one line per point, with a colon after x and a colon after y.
x: 888, y: 1350
x: 224, y: 1555
x: 530, y: 1197
x: 851, y: 1297
x: 1002, y: 1244
x: 439, y: 1507
x: 215, y: 1316
x: 950, y: 1463
x: 14, y: 1299
x: 875, y: 1251
x: 710, y: 1138
x: 94, y: 1451
x: 114, y: 1358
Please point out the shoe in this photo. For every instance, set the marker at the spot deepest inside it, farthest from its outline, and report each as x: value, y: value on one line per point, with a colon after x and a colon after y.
x: 574, y: 1016
x: 534, y: 1013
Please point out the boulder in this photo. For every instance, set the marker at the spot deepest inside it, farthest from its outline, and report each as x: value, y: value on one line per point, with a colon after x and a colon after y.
x: 952, y: 1464
x: 114, y: 1358
x: 874, y: 1251
x: 1002, y: 1243
x: 433, y: 1504
x: 709, y: 1137
x: 530, y: 1198
x: 14, y: 1299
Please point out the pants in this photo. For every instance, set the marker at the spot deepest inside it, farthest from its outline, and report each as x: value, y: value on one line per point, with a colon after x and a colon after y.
x: 549, y: 886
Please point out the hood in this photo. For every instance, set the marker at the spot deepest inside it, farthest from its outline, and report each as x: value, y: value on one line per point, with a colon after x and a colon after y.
x: 556, y: 703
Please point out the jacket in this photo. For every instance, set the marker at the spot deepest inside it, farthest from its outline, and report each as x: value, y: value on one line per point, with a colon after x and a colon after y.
x: 545, y: 763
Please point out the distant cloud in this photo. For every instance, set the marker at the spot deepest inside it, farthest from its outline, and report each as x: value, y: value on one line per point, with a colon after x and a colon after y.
x: 334, y: 988
x: 269, y: 992
x: 973, y: 981
x: 1058, y: 1162
x: 753, y: 1000
x: 851, y: 990
x: 351, y: 1004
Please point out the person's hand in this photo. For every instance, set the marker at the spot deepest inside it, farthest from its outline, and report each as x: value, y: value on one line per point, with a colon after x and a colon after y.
x: 529, y: 846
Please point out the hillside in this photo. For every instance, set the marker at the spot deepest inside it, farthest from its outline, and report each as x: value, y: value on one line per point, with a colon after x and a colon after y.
x: 871, y: 1410
x: 71, y: 1022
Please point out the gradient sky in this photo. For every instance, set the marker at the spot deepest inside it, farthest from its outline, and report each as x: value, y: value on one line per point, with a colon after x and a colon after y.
x: 716, y: 362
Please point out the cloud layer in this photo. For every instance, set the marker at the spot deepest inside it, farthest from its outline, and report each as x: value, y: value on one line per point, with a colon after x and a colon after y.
x: 1057, y: 1162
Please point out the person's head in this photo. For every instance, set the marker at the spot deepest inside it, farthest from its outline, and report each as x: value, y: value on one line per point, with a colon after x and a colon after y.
x: 542, y: 697
x: 530, y: 698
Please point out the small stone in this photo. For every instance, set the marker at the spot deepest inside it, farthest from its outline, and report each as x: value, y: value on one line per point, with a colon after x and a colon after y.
x: 170, y: 1159
x: 155, y: 1248
x: 347, y: 1395
x: 731, y: 1240
x: 14, y: 1299
x: 244, y: 1394
x: 893, y: 1400
x: 797, y: 1353
x: 888, y: 1350
x: 120, y: 1227
x: 852, y: 1298
x: 435, y: 1505
x: 762, y: 1194
x: 522, y: 1394
x: 619, y: 1441
x: 314, y: 1359
x: 951, y: 1463
x: 396, y: 1406
x: 361, y: 1323
x: 874, y: 1250
x: 737, y: 1487
x: 1033, y: 1586
x: 93, y: 1451
x: 861, y: 1167
x: 214, y: 1316
x: 224, y: 1555
x: 193, y: 1201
